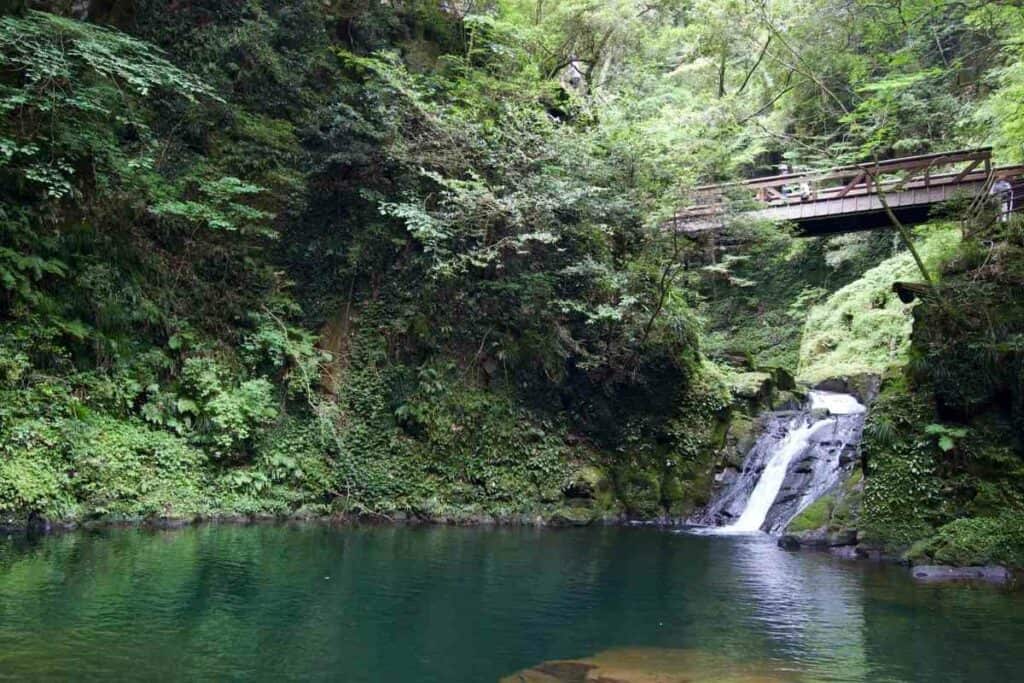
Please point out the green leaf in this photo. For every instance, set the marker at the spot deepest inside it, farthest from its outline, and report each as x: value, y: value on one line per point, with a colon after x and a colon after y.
x: 187, y: 405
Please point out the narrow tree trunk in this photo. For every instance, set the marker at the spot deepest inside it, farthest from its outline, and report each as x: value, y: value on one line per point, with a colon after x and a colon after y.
x: 721, y: 72
x: 908, y: 242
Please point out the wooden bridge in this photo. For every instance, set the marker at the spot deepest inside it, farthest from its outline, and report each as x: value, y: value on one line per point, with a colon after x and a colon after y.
x: 846, y: 198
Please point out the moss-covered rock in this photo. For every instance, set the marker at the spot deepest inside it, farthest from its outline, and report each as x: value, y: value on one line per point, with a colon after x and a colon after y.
x: 974, y: 542
x: 831, y: 520
x: 741, y: 435
x: 953, y: 492
x: 815, y: 516
x: 572, y: 516
x: 903, y: 492
x: 783, y: 379
x: 587, y: 482
x: 640, y: 492
x: 751, y: 386
x: 787, y: 400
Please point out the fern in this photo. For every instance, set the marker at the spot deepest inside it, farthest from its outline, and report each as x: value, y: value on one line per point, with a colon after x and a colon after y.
x: 76, y: 97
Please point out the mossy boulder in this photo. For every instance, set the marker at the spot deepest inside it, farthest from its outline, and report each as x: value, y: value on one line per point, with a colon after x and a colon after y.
x: 640, y: 492
x: 831, y: 520
x: 676, y: 497
x: 587, y: 482
x: 752, y: 386
x: 740, y: 438
x: 816, y: 516
x: 572, y: 516
x: 787, y: 400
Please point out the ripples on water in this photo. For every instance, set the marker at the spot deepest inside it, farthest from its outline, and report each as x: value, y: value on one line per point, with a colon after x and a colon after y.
x: 447, y: 604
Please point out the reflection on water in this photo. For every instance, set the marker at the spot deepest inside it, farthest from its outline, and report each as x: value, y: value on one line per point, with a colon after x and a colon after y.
x: 452, y: 605
x: 810, y: 607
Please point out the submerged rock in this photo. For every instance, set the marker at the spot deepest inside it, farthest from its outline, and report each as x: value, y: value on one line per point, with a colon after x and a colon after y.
x: 789, y: 542
x: 653, y: 665
x: 940, y: 573
x: 846, y: 552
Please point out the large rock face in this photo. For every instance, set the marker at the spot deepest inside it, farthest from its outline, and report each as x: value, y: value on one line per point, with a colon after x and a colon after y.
x: 829, y: 460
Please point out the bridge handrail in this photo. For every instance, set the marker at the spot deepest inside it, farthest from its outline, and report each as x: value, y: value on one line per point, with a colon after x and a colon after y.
x: 954, y: 177
x: 907, y: 181
x: 921, y: 161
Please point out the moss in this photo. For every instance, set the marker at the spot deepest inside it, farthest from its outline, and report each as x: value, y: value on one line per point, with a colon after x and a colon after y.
x: 933, y: 495
x: 969, y: 352
x: 755, y: 386
x: 834, y: 512
x: 848, y: 502
x: 786, y: 400
x: 815, y: 516
x: 675, y: 496
x: 863, y: 328
x: 756, y: 315
x: 587, y: 482
x: 903, y: 491
x: 640, y: 492
x: 974, y: 541
x: 741, y: 436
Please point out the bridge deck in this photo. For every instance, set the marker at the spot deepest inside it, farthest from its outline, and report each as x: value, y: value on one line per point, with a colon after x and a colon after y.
x: 845, y: 198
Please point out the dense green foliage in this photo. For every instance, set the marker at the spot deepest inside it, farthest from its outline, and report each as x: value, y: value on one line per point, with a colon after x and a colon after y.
x: 307, y: 258
x: 944, y: 444
x: 474, y: 264
x: 756, y: 300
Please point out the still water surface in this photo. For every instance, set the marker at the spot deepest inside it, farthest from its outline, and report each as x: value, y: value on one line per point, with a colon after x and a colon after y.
x: 454, y: 604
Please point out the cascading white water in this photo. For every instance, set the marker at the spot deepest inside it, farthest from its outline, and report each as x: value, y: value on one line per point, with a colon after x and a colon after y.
x: 800, y: 454
x: 770, y: 481
x: 836, y: 404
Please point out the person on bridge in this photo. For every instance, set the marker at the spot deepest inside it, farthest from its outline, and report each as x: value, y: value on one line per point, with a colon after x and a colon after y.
x: 1004, y: 192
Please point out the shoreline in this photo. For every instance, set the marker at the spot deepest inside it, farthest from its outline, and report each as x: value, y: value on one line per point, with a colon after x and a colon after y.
x: 36, y: 527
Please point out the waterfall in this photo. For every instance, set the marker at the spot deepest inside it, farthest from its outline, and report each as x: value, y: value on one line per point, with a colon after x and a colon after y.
x: 770, y: 481
x: 800, y: 457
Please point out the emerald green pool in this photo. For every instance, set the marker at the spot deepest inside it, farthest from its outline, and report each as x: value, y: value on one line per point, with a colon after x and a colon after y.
x: 456, y: 604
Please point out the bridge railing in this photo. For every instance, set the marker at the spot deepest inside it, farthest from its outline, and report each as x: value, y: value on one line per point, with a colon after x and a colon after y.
x: 922, y: 170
